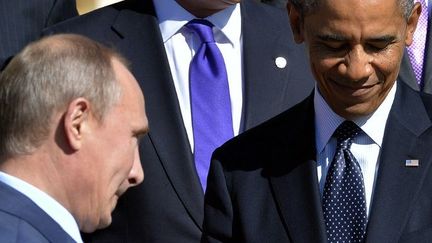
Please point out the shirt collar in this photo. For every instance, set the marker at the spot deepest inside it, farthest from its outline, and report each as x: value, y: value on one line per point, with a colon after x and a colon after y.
x: 172, y: 17
x: 326, y: 121
x: 48, y: 204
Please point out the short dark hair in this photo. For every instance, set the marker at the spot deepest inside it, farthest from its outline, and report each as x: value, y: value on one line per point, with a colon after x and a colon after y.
x: 307, y: 6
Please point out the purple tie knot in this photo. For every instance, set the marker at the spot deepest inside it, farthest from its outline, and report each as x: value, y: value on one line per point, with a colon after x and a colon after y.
x: 203, y: 28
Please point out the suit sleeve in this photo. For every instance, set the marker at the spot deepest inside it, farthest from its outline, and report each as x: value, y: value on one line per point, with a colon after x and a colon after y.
x: 218, y: 216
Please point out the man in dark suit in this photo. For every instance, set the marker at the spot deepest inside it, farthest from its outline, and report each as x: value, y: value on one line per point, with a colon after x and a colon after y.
x: 407, y: 74
x: 66, y: 102
x: 22, y: 21
x: 267, y: 73
x: 299, y: 177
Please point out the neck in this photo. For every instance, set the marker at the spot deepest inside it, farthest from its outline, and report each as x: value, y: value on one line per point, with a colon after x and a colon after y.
x: 39, y: 171
x: 200, y: 10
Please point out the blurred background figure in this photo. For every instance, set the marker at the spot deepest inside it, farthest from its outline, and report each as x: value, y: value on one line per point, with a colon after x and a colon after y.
x: 21, y: 21
x: 416, y: 68
x: 71, y: 114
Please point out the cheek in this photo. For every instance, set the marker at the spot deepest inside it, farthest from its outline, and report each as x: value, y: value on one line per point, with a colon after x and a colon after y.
x: 387, y: 66
x: 321, y: 68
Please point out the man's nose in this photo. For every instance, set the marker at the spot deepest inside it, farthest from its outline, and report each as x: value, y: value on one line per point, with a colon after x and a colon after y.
x: 136, y: 174
x: 357, y: 65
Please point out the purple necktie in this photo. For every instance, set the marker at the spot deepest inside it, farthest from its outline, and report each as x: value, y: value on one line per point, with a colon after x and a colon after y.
x: 417, y: 48
x: 210, y: 98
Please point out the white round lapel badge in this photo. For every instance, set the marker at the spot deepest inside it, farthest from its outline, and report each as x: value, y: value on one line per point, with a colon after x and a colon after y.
x: 280, y: 62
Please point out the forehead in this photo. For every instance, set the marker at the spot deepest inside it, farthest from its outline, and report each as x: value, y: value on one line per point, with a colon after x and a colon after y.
x: 355, y: 16
x: 132, y: 101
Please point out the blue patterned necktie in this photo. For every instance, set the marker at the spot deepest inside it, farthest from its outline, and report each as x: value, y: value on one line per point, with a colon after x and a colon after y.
x: 210, y: 98
x: 344, y: 200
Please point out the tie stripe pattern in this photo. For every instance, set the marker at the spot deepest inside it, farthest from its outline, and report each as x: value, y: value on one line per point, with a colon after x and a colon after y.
x: 210, y: 98
x: 344, y: 200
x: 417, y: 48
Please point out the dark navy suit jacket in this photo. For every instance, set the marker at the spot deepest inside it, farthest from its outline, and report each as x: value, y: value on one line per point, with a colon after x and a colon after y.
x: 21, y: 220
x: 169, y: 205
x: 263, y: 185
x: 22, y: 21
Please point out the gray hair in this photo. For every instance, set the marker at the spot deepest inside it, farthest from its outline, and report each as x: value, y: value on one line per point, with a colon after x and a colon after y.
x: 308, y: 6
x: 43, y: 79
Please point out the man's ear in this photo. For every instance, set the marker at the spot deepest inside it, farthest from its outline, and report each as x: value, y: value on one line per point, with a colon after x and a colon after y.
x: 296, y: 23
x: 412, y: 23
x: 75, y: 121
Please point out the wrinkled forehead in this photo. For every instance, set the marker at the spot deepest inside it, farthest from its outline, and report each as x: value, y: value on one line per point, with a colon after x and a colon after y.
x: 373, y: 19
x: 307, y: 7
x: 366, y: 11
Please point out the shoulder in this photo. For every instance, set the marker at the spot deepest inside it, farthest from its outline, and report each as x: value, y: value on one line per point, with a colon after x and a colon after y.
x: 264, y: 10
x: 105, y: 16
x: 269, y: 18
x: 13, y: 228
x: 259, y: 141
x: 99, y: 18
x: 103, y: 24
x: 60, y: 10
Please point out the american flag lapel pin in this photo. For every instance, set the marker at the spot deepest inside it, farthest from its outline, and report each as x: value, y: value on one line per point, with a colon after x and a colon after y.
x: 412, y: 163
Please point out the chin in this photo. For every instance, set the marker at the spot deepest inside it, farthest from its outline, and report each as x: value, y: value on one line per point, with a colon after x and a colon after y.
x: 88, y: 228
x: 105, y: 222
x: 356, y: 112
x: 96, y: 223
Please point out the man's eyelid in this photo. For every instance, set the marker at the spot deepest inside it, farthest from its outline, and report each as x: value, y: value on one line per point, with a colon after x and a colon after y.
x: 333, y: 41
x: 384, y: 40
x: 334, y: 38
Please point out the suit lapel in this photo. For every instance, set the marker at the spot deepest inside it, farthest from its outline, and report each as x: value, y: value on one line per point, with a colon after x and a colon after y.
x: 167, y: 132
x: 396, y: 185
x: 294, y: 178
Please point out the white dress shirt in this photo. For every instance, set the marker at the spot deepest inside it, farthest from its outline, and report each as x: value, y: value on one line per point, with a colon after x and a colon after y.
x: 181, y: 45
x: 365, y: 147
x: 48, y: 204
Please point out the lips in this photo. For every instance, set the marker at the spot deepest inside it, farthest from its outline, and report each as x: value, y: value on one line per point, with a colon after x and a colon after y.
x: 359, y: 89
x: 354, y: 86
x: 353, y: 92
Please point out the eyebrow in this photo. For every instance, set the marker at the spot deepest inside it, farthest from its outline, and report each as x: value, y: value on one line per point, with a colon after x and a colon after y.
x: 331, y: 37
x: 340, y: 38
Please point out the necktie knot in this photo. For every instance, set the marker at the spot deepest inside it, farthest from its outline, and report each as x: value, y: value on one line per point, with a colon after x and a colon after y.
x: 345, y: 133
x: 203, y: 28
